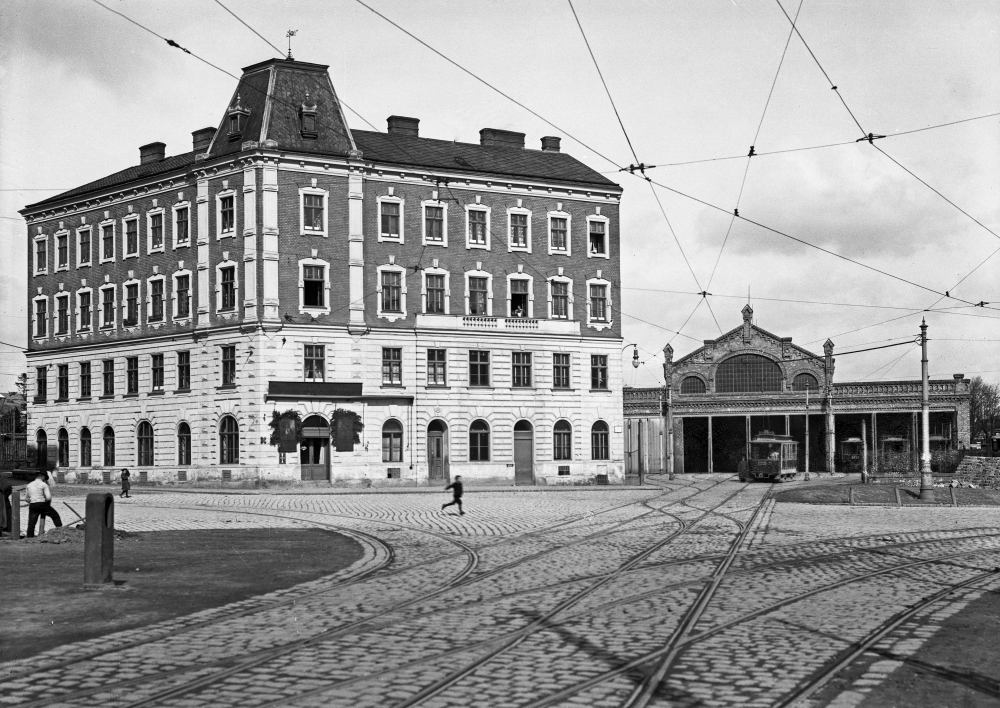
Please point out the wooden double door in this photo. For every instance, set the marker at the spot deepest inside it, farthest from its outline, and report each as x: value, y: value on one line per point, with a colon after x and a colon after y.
x: 314, y: 450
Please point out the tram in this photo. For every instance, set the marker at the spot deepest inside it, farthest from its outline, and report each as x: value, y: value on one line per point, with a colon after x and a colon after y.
x: 773, y: 457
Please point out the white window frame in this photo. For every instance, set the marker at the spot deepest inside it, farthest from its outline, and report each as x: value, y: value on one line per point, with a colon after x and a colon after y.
x: 569, y: 232
x: 510, y: 229
x: 447, y: 290
x: 218, y: 288
x: 79, y: 263
x: 138, y: 236
x: 138, y: 304
x: 219, y: 233
x: 569, y: 295
x: 468, y: 231
x: 444, y: 224
x: 34, y: 318
x: 314, y: 191
x: 607, y: 236
x: 114, y: 308
x: 325, y: 310
x: 163, y: 230
x: 531, y: 294
x: 600, y: 324
x: 149, y: 299
x: 62, y: 295
x: 390, y: 268
x: 55, y: 250
x: 173, y: 224
x: 77, y: 313
x: 489, y: 291
x: 392, y: 199
x: 174, y: 317
x: 114, y: 241
x: 313, y: 378
x: 40, y: 238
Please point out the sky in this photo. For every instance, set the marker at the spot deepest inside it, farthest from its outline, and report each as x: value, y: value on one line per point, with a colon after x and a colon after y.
x: 81, y: 89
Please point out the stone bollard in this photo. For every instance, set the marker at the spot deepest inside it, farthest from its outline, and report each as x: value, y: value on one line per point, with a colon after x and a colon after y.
x: 99, y: 540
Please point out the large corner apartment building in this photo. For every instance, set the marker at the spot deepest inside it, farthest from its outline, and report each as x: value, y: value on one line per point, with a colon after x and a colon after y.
x: 460, y: 299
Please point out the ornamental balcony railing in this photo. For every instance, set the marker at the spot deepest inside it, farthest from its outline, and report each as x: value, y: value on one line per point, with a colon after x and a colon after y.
x: 498, y: 324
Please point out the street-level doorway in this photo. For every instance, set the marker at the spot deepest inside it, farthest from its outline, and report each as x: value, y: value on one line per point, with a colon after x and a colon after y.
x: 314, y: 450
x: 437, y: 452
x: 524, y: 453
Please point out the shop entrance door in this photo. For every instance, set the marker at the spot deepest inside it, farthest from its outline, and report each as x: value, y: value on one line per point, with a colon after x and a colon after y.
x: 314, y: 451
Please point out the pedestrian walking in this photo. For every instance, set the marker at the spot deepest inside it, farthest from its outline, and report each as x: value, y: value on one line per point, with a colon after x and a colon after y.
x: 5, y: 510
x: 40, y: 503
x: 456, y: 490
x: 126, y: 484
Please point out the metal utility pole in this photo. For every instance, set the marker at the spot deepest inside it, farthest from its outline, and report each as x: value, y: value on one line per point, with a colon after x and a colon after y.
x: 807, y: 430
x: 926, y: 479
x: 668, y: 411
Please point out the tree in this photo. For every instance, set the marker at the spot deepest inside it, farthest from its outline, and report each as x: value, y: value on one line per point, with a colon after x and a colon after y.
x: 276, y: 417
x: 984, y: 410
x: 22, y: 384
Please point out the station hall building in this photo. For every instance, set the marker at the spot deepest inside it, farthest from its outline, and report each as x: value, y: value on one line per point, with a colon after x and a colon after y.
x: 457, y: 300
x: 749, y: 381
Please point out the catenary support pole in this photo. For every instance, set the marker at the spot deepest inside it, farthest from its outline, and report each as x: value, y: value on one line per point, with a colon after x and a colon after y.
x: 926, y: 480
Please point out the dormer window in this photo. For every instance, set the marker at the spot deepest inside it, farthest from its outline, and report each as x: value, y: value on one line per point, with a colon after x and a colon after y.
x: 307, y: 118
x: 237, y: 120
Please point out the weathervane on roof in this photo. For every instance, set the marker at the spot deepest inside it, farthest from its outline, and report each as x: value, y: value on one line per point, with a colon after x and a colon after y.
x: 290, y: 33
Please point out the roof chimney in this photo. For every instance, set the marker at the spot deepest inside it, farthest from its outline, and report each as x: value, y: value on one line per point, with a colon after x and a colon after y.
x: 401, y: 125
x: 550, y: 143
x: 201, y: 139
x: 501, y: 138
x: 154, y: 152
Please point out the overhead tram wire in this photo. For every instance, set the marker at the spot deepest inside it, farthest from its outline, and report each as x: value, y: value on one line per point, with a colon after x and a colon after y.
x: 709, y: 303
x: 240, y: 20
x: 753, y: 143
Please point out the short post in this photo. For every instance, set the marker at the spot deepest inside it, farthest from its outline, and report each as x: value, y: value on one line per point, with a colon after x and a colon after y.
x: 15, y: 514
x: 99, y: 540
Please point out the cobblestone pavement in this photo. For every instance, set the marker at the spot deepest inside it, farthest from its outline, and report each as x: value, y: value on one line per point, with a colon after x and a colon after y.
x: 698, y: 592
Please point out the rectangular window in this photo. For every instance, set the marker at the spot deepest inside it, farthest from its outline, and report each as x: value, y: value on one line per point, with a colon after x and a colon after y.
x: 519, y: 298
x: 392, y: 366
x: 132, y: 375
x: 62, y: 305
x: 183, y: 371
x: 109, y: 377
x: 156, y: 231
x: 560, y: 371
x: 434, y: 224
x: 315, y: 362
x: 599, y: 303
x: 156, y: 300
x: 229, y: 366
x: 41, y: 318
x: 182, y: 226
x: 519, y: 230
x: 390, y: 220
x: 85, y: 314
x: 313, y: 285
x: 157, y: 371
x: 62, y: 251
x: 558, y: 227
x: 227, y: 213
x: 435, y: 294
x: 391, y: 292
x: 560, y: 300
x: 599, y: 372
x: 183, y: 296
x: 228, y: 286
x: 108, y: 307
x: 132, y: 304
x: 479, y: 368
x: 84, y: 255
x: 41, y: 383
x: 132, y: 237
x: 41, y: 255
x: 63, y: 382
x: 312, y: 212
x: 598, y: 243
x: 478, y: 295
x: 436, y: 374
x: 85, y: 382
x: 521, y: 370
x: 477, y: 227
x: 108, y: 241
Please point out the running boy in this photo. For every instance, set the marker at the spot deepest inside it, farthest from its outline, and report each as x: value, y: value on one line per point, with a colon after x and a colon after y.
x: 456, y: 490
